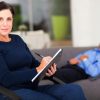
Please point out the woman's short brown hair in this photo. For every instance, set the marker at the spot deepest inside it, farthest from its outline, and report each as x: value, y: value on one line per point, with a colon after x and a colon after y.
x: 4, y: 5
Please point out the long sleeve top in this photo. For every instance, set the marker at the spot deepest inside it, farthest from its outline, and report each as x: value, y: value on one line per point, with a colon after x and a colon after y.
x: 92, y: 64
x: 17, y: 64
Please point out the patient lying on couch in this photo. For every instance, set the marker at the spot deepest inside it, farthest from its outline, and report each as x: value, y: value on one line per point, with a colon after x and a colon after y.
x: 84, y: 65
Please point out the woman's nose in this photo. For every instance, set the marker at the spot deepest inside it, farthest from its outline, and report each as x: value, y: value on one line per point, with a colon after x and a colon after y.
x: 4, y: 23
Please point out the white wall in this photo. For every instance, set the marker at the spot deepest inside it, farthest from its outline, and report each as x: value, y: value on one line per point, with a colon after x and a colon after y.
x: 85, y: 22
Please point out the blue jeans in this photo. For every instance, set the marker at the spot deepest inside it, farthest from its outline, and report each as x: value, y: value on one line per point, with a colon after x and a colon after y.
x: 53, y: 92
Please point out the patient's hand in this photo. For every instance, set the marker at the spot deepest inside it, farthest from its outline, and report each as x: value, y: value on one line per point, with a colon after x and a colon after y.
x: 84, y: 57
x: 74, y: 61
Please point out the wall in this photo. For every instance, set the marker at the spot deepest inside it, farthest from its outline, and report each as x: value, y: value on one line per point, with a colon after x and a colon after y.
x: 85, y: 22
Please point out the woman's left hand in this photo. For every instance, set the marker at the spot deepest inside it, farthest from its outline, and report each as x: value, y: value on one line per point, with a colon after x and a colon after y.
x: 51, y: 71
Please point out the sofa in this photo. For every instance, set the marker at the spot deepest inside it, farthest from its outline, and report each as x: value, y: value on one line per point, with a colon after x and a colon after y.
x: 90, y: 86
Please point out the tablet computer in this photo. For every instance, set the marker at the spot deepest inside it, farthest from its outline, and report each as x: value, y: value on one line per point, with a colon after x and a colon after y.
x: 54, y: 59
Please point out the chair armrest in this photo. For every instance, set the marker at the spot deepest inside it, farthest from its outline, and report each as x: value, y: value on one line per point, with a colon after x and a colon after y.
x: 10, y: 94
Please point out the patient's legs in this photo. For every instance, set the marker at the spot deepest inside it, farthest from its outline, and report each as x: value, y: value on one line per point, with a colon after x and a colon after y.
x: 70, y: 73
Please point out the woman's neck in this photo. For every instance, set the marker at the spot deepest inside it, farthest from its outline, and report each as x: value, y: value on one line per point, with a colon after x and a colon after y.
x: 5, y: 38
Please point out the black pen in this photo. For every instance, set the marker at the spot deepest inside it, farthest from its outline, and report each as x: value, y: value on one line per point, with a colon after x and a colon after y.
x: 39, y: 55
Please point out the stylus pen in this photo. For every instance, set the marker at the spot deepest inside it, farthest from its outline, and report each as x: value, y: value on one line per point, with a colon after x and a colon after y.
x: 39, y: 55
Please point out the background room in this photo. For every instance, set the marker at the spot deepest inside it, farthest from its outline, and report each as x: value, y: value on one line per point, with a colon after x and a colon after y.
x: 57, y: 23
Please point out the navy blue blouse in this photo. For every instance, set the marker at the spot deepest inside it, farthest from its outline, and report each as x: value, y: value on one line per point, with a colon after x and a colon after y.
x: 17, y: 64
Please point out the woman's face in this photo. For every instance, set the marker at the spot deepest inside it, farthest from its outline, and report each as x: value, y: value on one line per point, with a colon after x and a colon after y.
x: 6, y: 21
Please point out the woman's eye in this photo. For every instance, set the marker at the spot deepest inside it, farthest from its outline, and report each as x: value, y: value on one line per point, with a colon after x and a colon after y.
x: 1, y: 19
x: 9, y: 19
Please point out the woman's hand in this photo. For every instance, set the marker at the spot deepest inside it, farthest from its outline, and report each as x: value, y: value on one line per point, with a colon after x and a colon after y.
x: 43, y: 63
x: 73, y: 61
x: 51, y: 71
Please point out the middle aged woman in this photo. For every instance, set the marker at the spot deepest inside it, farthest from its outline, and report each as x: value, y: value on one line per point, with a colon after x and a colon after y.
x: 18, y: 66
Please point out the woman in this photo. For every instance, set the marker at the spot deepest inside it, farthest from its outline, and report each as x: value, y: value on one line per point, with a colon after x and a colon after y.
x: 18, y: 66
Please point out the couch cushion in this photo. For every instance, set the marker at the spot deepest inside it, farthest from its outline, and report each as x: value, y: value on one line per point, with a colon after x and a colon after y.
x: 91, y: 88
x: 68, y: 52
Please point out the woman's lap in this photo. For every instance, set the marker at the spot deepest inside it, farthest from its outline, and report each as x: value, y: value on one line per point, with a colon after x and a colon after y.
x: 52, y: 92
x: 27, y: 94
x: 64, y: 92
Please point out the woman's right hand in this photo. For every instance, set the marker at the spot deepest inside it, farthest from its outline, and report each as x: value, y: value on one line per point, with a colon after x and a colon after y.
x: 73, y: 61
x: 43, y: 63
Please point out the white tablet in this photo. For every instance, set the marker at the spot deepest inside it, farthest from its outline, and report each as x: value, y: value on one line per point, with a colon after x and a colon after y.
x: 54, y: 59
